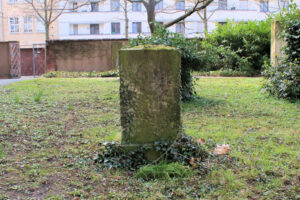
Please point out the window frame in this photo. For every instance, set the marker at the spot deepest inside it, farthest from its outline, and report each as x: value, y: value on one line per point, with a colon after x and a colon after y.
x: 94, y: 29
x: 179, y: 4
x: 137, y: 8
x: 138, y: 26
x: 94, y: 7
x: 114, y: 8
x: 264, y: 6
x: 15, y: 26
x: 118, y: 27
x: 39, y: 21
x: 74, y: 6
x: 179, y: 25
x: 27, y: 26
x: 222, y: 5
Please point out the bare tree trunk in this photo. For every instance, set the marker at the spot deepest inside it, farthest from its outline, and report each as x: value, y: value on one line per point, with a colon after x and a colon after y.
x: 205, y: 23
x: 46, y: 21
x: 151, y: 14
x: 126, y: 18
x: 47, y: 27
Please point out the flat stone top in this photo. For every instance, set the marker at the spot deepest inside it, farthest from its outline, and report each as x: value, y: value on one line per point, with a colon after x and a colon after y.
x: 149, y: 47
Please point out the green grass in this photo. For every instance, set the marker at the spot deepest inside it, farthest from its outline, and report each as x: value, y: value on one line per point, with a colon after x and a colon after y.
x: 48, y: 147
x: 164, y: 171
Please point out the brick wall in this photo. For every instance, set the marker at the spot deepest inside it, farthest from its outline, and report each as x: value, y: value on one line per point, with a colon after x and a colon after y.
x: 83, y: 55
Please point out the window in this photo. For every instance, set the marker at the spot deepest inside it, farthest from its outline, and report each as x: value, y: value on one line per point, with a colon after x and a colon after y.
x: 115, y: 5
x: 94, y: 7
x: 137, y: 6
x: 74, y: 29
x: 284, y: 4
x: 40, y: 25
x: 14, y: 25
x: 180, y: 27
x: 74, y: 6
x: 12, y: 1
x: 264, y: 6
x: 180, y: 5
x: 94, y: 29
x: 28, y: 24
x: 243, y: 4
x: 115, y: 28
x: 27, y: 1
x: 159, y: 6
x: 222, y: 5
x: 136, y: 27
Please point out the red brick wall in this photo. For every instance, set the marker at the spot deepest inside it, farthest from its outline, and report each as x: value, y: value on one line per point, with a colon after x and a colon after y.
x: 83, y: 55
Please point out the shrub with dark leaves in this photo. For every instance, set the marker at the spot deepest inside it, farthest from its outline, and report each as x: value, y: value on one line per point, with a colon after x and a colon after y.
x: 183, y: 150
x: 190, y: 58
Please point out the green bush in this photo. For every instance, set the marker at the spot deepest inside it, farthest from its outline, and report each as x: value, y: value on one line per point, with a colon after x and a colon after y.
x: 91, y: 74
x: 190, y: 58
x: 164, y: 171
x: 283, y: 80
x: 237, y: 46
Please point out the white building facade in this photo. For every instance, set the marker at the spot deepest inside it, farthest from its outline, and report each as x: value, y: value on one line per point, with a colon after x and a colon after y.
x: 106, y: 19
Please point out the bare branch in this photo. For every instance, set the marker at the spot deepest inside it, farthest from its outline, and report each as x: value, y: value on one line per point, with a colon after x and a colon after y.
x: 36, y: 10
x: 59, y: 14
x: 188, y: 13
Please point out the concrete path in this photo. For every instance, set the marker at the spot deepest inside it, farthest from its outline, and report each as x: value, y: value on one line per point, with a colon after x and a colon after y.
x: 8, y: 81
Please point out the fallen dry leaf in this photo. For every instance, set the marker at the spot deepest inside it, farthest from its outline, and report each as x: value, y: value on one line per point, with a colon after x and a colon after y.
x: 192, y: 161
x: 222, y: 149
x: 201, y: 141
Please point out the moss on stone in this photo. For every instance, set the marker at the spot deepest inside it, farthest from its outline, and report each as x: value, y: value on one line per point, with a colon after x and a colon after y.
x: 150, y: 94
x: 150, y: 47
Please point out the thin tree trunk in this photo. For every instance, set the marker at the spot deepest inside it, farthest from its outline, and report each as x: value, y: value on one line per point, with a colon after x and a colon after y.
x: 47, y: 31
x: 126, y: 18
x: 46, y: 23
x: 205, y: 23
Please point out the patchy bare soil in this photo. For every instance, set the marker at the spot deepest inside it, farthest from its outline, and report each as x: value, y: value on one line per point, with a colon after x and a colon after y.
x: 47, y: 144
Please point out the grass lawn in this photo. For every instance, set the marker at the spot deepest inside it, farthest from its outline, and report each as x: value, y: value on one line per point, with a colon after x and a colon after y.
x: 50, y: 130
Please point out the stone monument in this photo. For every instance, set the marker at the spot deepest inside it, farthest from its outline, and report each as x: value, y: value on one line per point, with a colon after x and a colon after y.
x: 149, y: 94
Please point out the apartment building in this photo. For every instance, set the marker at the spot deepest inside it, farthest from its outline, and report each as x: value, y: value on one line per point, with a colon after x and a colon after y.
x: 19, y: 22
x: 106, y: 19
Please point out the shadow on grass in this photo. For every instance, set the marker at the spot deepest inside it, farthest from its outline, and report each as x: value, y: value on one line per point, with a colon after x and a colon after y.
x: 202, y: 102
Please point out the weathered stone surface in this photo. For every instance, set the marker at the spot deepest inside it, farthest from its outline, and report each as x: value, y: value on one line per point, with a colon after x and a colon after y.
x: 277, y: 43
x: 150, y: 94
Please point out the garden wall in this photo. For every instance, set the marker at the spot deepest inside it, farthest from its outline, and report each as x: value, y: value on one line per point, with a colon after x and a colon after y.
x: 83, y: 55
x: 4, y: 60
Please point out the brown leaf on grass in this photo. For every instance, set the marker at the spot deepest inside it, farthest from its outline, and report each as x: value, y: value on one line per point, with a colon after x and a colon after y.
x: 222, y: 149
x: 201, y: 141
x: 192, y: 162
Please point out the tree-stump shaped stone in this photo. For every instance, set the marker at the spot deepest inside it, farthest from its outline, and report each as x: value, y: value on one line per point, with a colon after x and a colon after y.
x: 149, y: 94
